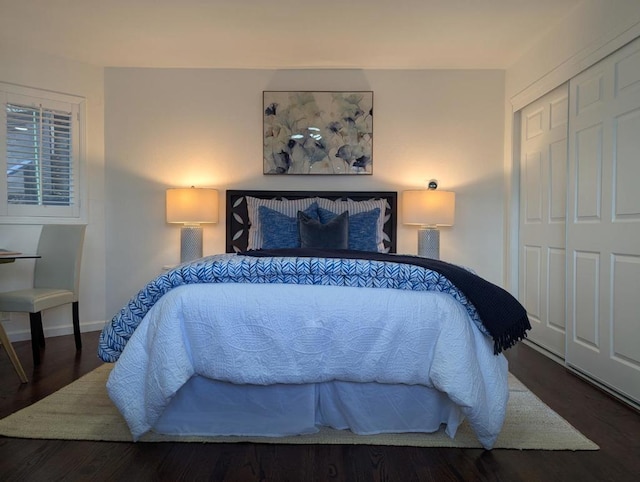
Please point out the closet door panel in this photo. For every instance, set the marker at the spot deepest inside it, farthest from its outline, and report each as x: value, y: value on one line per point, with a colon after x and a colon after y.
x: 558, y: 181
x: 533, y: 181
x: 626, y: 306
x: 627, y: 167
x: 588, y: 174
x: 556, y: 315
x: 532, y: 282
x: 543, y: 179
x: 586, y: 279
x: 603, y: 228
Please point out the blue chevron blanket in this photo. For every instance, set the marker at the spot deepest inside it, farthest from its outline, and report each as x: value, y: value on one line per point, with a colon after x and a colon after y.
x: 232, y: 268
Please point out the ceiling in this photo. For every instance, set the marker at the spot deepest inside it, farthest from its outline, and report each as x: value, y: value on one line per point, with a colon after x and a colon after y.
x: 282, y: 34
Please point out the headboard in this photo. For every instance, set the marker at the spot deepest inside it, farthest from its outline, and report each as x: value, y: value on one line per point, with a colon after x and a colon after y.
x: 238, y: 219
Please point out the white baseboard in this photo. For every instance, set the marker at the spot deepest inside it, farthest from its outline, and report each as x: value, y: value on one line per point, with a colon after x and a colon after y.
x: 544, y: 351
x: 22, y: 335
x: 632, y: 403
x: 576, y: 371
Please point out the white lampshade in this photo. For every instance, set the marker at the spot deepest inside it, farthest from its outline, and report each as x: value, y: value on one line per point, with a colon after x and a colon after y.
x: 192, y: 205
x: 428, y: 207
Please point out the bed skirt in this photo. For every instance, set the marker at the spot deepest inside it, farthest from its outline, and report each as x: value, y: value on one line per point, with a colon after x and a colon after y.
x: 211, y: 408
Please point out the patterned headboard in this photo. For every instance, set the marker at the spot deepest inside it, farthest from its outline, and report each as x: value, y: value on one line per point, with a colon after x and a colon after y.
x: 238, y: 219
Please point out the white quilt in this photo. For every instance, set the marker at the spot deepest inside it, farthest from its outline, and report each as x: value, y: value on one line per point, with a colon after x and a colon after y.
x: 272, y: 334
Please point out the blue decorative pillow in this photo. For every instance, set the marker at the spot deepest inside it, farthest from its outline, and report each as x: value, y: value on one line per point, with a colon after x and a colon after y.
x: 280, y: 230
x: 363, y: 228
x: 356, y: 207
x: 331, y: 235
x: 288, y: 207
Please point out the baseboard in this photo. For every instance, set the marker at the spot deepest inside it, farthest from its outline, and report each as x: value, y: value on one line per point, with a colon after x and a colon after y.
x: 545, y: 352
x: 615, y: 394
x: 576, y: 371
x: 22, y: 335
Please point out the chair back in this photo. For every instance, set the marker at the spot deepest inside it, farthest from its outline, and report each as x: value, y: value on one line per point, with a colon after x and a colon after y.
x: 61, y: 249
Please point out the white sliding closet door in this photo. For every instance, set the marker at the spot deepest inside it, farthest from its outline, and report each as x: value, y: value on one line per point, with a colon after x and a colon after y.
x: 543, y: 191
x: 603, y: 225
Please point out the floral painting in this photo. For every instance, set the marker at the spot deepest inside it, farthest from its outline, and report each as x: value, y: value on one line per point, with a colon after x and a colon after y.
x: 318, y: 132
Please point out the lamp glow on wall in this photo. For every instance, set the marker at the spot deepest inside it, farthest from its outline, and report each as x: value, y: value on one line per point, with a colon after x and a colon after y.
x: 191, y: 207
x: 429, y: 208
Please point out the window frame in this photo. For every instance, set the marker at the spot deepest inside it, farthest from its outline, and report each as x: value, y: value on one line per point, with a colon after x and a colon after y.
x: 28, y: 214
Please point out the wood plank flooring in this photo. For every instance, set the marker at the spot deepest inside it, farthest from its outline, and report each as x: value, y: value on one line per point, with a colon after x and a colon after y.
x: 609, y: 423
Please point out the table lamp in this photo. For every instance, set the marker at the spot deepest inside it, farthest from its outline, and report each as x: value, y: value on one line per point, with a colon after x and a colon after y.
x: 429, y: 208
x: 191, y: 207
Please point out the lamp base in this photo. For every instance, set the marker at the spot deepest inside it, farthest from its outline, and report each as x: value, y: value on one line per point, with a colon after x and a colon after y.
x: 190, y: 243
x: 429, y: 243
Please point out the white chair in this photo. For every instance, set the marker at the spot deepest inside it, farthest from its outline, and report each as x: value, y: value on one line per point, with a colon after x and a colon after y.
x: 56, y: 279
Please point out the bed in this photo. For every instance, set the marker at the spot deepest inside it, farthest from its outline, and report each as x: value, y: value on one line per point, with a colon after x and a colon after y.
x: 310, y: 319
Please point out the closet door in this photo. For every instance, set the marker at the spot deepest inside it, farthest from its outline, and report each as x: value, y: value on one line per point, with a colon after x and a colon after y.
x: 543, y: 191
x: 603, y: 228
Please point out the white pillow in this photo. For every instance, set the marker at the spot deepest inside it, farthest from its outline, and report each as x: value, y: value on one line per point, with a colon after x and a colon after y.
x: 354, y: 207
x: 288, y: 207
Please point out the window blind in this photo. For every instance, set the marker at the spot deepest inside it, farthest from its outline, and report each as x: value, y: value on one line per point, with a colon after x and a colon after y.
x: 39, y: 162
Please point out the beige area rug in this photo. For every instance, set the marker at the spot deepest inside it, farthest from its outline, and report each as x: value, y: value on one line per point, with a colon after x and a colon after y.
x: 83, y: 411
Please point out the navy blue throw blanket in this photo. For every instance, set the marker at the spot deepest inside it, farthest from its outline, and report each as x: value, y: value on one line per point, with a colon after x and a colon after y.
x: 501, y: 314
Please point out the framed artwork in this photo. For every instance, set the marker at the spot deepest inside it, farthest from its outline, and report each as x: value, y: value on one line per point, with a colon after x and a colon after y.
x: 318, y: 132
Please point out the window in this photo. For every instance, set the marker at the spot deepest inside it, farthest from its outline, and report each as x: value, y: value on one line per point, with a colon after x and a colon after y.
x: 41, y: 156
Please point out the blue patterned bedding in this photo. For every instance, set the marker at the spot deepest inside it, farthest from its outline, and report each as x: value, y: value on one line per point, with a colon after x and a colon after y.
x: 232, y: 268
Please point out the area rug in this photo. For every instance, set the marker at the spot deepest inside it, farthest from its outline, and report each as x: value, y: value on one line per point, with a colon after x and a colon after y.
x: 83, y: 411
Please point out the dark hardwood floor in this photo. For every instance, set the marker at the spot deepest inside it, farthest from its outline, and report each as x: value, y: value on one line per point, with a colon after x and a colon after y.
x: 612, y: 425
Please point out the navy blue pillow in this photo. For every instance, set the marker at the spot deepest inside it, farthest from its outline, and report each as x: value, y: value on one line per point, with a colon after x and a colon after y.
x: 363, y: 228
x: 331, y: 235
x: 279, y: 230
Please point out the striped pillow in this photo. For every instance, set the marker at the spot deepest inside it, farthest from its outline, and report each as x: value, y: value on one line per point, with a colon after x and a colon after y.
x: 288, y: 207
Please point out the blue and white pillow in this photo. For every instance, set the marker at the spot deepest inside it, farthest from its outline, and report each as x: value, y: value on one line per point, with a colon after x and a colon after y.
x: 288, y: 207
x: 370, y: 225
x: 362, y: 228
x: 280, y: 231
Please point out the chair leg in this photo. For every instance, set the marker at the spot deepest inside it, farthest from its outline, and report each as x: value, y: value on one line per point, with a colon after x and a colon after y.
x: 4, y: 340
x: 37, y: 336
x: 41, y: 338
x: 76, y: 325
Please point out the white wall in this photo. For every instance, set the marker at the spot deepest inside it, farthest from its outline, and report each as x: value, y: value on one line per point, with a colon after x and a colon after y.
x: 32, y: 69
x: 167, y: 128
x: 592, y: 31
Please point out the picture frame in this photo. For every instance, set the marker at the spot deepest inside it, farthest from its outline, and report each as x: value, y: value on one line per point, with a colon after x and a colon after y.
x: 321, y: 132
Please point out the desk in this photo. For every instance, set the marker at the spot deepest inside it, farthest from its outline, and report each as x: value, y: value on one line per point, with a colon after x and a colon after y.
x: 10, y: 258
x: 5, y: 257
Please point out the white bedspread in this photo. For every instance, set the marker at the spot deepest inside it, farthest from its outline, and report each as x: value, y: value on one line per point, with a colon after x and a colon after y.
x: 240, y: 333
